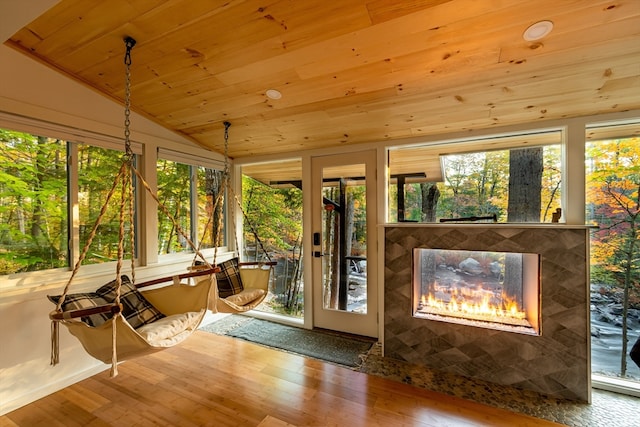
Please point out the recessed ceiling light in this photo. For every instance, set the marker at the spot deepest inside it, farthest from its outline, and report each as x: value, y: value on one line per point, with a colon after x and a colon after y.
x: 537, y: 31
x: 273, y: 94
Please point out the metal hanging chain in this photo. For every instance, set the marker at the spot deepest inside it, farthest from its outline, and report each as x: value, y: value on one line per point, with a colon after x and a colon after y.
x: 227, y: 125
x: 129, y: 43
x: 221, y: 195
x: 127, y: 182
x: 228, y: 187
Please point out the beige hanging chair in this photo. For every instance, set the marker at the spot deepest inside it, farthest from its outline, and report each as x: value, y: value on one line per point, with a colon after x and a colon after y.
x: 117, y: 322
x: 255, y: 279
x: 182, y: 305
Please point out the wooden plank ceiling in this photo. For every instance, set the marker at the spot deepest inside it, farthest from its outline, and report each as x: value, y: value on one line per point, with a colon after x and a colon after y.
x: 349, y: 71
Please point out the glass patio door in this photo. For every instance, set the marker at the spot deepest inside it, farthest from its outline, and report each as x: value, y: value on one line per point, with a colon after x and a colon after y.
x: 344, y: 267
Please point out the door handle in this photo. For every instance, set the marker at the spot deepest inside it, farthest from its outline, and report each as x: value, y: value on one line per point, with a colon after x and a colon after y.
x: 317, y: 254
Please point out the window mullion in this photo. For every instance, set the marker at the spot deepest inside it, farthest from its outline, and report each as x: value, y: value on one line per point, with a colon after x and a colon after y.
x: 193, y: 212
x: 73, y: 213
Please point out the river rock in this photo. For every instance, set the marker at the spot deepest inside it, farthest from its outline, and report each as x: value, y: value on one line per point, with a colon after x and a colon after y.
x: 471, y: 266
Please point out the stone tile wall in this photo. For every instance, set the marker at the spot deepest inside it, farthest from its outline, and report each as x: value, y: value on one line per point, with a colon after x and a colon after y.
x: 557, y: 363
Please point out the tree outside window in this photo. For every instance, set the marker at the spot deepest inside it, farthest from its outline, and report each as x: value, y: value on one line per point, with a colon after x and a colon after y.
x: 613, y: 207
x: 189, y: 194
x: 33, y: 202
x: 514, y: 184
x: 97, y: 169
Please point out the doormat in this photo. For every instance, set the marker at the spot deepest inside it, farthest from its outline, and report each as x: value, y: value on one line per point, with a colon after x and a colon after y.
x: 332, y: 347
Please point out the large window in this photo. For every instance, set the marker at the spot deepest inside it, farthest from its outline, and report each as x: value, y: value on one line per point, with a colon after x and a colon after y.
x: 189, y: 193
x: 33, y: 202
x: 506, y: 179
x: 211, y: 207
x: 52, y: 192
x: 613, y: 208
x: 97, y: 170
x: 174, y: 193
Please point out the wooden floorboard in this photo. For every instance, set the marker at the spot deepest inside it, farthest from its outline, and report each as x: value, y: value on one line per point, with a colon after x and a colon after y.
x: 213, y: 380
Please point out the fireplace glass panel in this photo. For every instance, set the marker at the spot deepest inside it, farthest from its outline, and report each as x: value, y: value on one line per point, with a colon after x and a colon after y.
x: 496, y: 290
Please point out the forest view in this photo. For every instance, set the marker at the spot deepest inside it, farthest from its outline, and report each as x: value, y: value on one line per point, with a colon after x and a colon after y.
x: 273, y: 230
x: 480, y: 184
x: 189, y: 194
x: 33, y: 202
x: 613, y: 208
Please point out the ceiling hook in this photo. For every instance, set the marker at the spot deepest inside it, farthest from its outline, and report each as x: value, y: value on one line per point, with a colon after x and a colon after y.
x: 129, y: 42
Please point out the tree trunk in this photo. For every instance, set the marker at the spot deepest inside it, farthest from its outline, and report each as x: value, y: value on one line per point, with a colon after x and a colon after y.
x: 349, y: 217
x: 335, y: 261
x: 525, y: 188
x: 38, y: 214
x: 330, y: 253
x: 628, y: 283
x: 291, y: 281
x: 215, y: 218
x: 430, y: 196
x: 525, y: 185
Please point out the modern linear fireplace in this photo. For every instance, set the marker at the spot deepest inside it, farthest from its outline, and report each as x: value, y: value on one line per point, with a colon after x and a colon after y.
x: 552, y: 357
x: 486, y: 289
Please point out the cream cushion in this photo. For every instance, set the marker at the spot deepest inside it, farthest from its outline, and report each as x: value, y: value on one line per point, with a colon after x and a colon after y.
x: 171, y: 329
x: 246, y: 296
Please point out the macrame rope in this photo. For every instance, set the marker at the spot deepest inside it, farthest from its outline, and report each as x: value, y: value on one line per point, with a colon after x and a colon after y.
x: 55, y: 336
x: 92, y: 235
x: 121, y: 230
x: 253, y: 230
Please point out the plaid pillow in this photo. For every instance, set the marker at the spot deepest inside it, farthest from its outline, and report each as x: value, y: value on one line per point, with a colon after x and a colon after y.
x: 84, y: 300
x: 228, y: 278
x: 135, y: 308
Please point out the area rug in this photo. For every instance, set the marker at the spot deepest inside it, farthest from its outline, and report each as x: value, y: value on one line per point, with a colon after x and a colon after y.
x: 332, y: 347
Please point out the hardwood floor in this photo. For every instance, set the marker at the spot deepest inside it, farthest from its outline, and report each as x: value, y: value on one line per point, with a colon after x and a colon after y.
x: 213, y: 380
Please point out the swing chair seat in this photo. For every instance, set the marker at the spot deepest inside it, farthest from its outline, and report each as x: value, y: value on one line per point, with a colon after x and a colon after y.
x: 132, y: 343
x: 182, y: 307
x: 254, y: 279
x: 240, y: 286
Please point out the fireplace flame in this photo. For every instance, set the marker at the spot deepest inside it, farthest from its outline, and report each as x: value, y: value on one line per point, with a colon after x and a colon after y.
x: 477, y: 304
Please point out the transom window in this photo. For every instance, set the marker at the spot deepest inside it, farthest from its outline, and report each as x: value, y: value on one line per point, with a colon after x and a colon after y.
x: 503, y: 179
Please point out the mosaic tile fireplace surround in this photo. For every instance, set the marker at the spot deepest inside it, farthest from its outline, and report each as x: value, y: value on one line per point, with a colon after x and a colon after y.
x: 556, y: 363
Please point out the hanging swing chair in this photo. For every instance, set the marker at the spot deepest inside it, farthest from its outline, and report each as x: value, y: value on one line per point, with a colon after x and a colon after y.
x: 240, y: 286
x: 117, y: 322
x: 163, y: 317
x: 249, y: 282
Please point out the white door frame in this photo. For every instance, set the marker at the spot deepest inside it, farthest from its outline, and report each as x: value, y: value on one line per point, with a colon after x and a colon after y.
x: 360, y: 324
